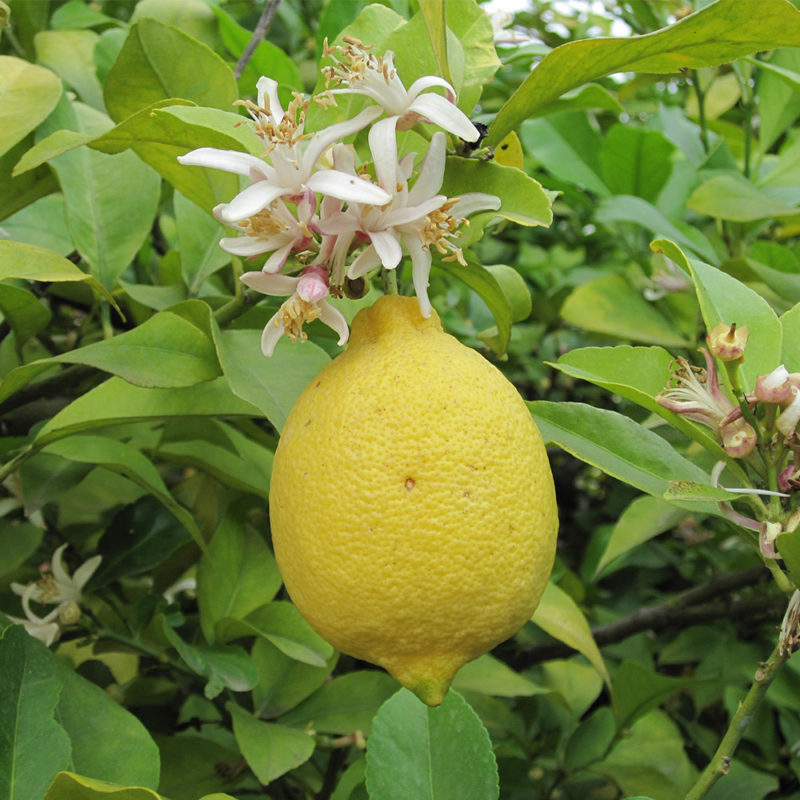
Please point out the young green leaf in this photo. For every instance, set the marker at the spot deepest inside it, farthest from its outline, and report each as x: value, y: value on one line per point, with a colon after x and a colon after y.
x: 69, y: 786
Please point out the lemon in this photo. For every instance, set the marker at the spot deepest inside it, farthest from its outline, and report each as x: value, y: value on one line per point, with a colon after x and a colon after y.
x: 412, y: 506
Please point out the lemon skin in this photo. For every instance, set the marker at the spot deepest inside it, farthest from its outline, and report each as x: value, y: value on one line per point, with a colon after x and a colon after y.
x: 412, y: 506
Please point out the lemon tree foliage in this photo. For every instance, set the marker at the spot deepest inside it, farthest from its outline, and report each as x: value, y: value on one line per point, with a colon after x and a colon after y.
x: 591, y: 206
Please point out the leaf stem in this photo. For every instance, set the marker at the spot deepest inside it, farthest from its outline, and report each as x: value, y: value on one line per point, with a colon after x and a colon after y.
x: 721, y: 760
x: 389, y: 277
x: 701, y: 108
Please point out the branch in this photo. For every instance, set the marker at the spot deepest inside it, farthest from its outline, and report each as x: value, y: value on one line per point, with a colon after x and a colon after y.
x: 258, y: 36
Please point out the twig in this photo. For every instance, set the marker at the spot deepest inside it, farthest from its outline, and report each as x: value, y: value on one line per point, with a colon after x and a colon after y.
x: 721, y: 760
x: 258, y: 36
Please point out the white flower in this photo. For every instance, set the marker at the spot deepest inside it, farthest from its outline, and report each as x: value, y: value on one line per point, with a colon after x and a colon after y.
x: 417, y: 218
x: 45, y: 629
x: 56, y: 586
x: 308, y: 302
x: 273, y: 230
x: 294, y: 156
x: 376, y: 78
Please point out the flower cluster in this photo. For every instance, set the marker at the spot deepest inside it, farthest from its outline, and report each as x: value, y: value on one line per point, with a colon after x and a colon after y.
x: 55, y: 587
x: 310, y: 199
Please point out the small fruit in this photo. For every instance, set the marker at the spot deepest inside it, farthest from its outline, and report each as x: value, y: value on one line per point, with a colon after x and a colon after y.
x: 412, y: 506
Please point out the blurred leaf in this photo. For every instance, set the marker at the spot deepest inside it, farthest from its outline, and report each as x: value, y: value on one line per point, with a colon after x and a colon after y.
x: 778, y: 267
x: 713, y: 35
x: 790, y: 327
x: 742, y: 781
x: 69, y: 786
x: 577, y: 684
x: 190, y: 16
x: 18, y: 542
x: 75, y: 14
x: 433, y: 12
x: 110, y: 200
x: 42, y: 223
x: 612, y: 306
x: 70, y: 54
x: 23, y: 311
x: 117, y: 401
x: 489, y: 675
x: 733, y: 197
x: 158, y: 61
x: 108, y: 742
x: 515, y: 289
x: 189, y: 766
x: 779, y: 102
x: 271, y: 384
x: 271, y: 750
x: 28, y: 93
x: 558, y: 614
x: 237, y: 575
x: 643, y: 519
x: 724, y: 299
x: 128, y: 461
x: 344, y: 705
x: 617, y: 445
x: 198, y: 240
x: 413, y: 753
x: 636, y: 161
x: 591, y: 96
x: 591, y: 739
x: 35, y: 745
x: 788, y: 545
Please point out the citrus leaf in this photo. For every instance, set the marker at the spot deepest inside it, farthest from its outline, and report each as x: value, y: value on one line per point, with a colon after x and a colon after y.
x: 488, y: 675
x: 413, y: 751
x: 733, y: 197
x: 558, y: 614
x: 69, y: 786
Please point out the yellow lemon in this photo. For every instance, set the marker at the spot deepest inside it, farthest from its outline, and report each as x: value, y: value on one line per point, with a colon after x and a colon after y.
x: 412, y: 505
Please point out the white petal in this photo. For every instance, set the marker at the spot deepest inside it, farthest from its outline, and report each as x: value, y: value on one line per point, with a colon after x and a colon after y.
x: 387, y: 247
x: 268, y: 90
x: 272, y: 332
x: 253, y: 199
x: 340, y: 223
x: 276, y: 261
x: 431, y: 173
x: 425, y: 82
x: 366, y: 260
x: 229, y: 160
x: 85, y: 571
x: 57, y: 566
x: 446, y: 115
x: 471, y: 202
x: 347, y: 187
x: 404, y: 216
x: 421, y: 269
x: 246, y: 245
x: 334, y: 318
x: 323, y: 139
x: 383, y: 146
x: 274, y: 285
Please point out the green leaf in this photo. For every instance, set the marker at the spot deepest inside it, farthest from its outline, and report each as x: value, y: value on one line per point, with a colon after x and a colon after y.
x: 28, y: 93
x: 191, y: 16
x: 643, y: 519
x: 488, y: 675
x: 720, y: 32
x: 41, y: 223
x: 23, y: 312
x: 743, y: 781
x: 778, y: 267
x: 724, y: 299
x: 577, y: 684
x: 433, y: 12
x: 34, y: 746
x: 413, y: 753
x: 591, y: 739
x: 790, y: 327
x: 69, y: 786
x: 70, y: 54
x: 612, y: 306
x: 688, y: 491
x: 270, y: 384
x: 735, y: 198
x: 558, y: 614
x: 270, y: 750
x: 110, y: 200
x: 636, y: 161
x: 344, y: 705
x: 484, y: 283
x: 108, y: 742
x: 198, y: 240
x: 779, y: 102
x: 33, y: 263
x: 617, y: 445
x: 164, y: 351
x: 158, y: 61
x: 237, y: 575
x: 788, y: 545
x: 128, y: 461
x: 639, y: 374
x: 117, y: 401
x: 18, y: 542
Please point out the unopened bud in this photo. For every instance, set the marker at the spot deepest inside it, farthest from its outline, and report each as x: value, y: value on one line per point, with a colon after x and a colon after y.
x: 775, y: 387
x: 790, y: 416
x: 69, y: 613
x: 738, y: 438
x: 788, y: 479
x: 766, y: 538
x: 727, y: 342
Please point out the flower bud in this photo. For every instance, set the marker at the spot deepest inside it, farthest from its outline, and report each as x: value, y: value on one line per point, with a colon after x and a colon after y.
x: 766, y: 538
x: 790, y: 416
x: 775, y: 387
x: 69, y: 613
x: 788, y: 479
x: 727, y: 342
x: 738, y: 438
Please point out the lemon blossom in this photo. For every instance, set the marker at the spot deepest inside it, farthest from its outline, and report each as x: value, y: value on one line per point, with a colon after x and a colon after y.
x: 416, y: 218
x: 308, y: 302
x: 45, y: 628
x: 293, y: 155
x: 56, y: 585
x: 362, y: 72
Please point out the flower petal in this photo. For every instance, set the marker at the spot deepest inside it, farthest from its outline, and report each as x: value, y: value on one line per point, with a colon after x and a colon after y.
x: 431, y: 173
x: 421, y: 269
x: 347, y: 187
x: 471, y: 202
x: 85, y: 571
x: 268, y: 97
x: 324, y: 138
x: 383, y: 146
x: 426, y: 81
x: 405, y: 216
x: 276, y: 261
x: 273, y: 285
x: 365, y: 261
x: 334, y: 318
x: 229, y: 160
x: 253, y: 199
x: 387, y: 248
x: 273, y: 331
x: 246, y: 245
x: 446, y: 115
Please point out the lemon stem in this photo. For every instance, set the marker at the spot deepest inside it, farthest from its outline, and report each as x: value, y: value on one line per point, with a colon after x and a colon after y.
x: 389, y: 277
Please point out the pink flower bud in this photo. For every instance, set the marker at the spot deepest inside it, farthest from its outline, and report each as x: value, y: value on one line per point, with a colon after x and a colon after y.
x: 738, y: 438
x: 775, y: 387
x: 727, y: 342
x: 313, y: 284
x: 787, y: 480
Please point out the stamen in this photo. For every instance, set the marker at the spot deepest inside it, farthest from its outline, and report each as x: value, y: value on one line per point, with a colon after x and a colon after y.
x: 294, y: 313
